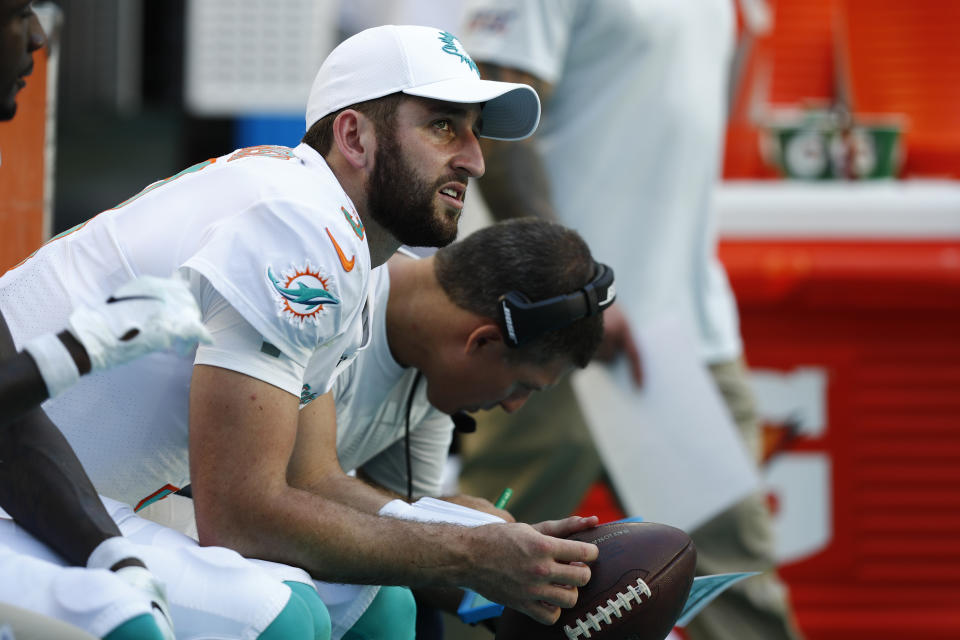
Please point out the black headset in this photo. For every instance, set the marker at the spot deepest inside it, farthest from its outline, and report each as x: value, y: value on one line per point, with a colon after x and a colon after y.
x: 523, y: 320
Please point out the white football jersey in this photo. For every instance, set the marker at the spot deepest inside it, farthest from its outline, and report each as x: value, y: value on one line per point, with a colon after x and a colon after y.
x: 278, y: 239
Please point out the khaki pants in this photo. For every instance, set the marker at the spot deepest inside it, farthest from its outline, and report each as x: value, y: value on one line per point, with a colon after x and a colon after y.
x: 740, y: 539
x: 546, y: 455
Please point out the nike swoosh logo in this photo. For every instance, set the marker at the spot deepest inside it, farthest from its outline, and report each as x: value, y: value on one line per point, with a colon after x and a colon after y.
x: 346, y: 264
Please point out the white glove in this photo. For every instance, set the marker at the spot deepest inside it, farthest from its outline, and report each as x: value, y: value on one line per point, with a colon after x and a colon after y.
x: 117, y: 548
x: 146, y: 314
x: 145, y: 582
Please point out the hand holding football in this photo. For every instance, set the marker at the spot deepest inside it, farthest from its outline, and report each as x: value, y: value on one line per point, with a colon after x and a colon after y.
x: 638, y: 586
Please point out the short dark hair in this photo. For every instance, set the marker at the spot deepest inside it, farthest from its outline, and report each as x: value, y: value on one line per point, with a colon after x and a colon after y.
x: 382, y: 111
x: 539, y: 259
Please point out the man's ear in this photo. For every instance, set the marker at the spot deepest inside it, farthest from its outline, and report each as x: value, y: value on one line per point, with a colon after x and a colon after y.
x: 483, y: 337
x: 353, y: 133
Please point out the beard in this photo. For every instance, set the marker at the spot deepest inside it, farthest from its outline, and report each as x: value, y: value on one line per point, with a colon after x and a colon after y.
x: 403, y: 203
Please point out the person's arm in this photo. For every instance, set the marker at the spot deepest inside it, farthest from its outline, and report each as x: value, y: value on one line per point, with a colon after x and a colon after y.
x: 429, y: 445
x: 250, y: 495
x: 22, y: 388
x: 42, y: 483
x: 43, y: 486
x: 144, y: 315
x: 515, y: 184
x: 312, y: 466
x: 315, y: 467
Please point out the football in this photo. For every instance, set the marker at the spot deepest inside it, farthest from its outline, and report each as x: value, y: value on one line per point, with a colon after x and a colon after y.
x: 638, y: 586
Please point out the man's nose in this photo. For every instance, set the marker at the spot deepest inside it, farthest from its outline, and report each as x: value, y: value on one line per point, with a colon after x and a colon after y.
x: 469, y: 160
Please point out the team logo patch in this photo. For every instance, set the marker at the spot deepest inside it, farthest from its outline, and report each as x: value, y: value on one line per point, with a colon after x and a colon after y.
x: 452, y: 46
x: 301, y: 293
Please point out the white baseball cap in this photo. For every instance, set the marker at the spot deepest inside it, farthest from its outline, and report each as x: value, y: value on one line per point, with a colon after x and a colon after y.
x: 419, y: 61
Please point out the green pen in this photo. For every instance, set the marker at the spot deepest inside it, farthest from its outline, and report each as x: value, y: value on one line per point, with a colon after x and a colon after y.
x: 504, y: 498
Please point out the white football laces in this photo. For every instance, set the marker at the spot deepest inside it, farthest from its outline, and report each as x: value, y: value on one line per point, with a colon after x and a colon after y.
x: 605, y: 612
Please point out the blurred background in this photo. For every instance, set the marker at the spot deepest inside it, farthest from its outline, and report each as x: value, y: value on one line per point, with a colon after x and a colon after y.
x: 839, y: 226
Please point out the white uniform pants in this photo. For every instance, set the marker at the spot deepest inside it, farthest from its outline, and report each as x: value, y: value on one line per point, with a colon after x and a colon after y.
x: 213, y: 592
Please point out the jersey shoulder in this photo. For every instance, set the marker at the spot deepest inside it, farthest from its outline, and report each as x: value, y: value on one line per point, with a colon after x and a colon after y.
x: 295, y: 262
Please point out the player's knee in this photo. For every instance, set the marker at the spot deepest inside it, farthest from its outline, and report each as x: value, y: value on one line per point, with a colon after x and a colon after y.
x: 318, y: 610
x: 391, y: 616
x: 297, y: 620
x: 142, y: 627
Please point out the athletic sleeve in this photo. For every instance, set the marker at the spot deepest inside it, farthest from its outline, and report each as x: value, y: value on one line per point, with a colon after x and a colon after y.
x: 334, y: 357
x: 531, y: 36
x: 239, y: 347
x: 431, y: 432
x: 296, y: 272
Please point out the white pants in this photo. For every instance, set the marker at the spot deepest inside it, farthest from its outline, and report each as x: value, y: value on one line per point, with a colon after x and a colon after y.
x: 213, y: 592
x: 33, y: 578
x: 345, y: 602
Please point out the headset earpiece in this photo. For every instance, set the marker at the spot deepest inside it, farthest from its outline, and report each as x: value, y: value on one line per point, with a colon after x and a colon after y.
x: 523, y: 320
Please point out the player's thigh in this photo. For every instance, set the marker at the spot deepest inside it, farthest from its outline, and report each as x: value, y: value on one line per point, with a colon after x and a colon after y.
x: 94, y: 600
x: 391, y: 616
x: 216, y: 589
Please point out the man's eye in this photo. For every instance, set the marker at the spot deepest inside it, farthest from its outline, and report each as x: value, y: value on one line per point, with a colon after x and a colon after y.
x: 443, y: 125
